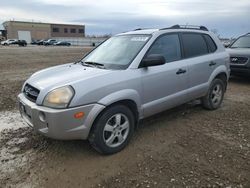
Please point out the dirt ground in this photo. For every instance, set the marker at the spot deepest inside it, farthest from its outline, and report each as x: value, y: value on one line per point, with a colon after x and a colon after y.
x: 183, y: 147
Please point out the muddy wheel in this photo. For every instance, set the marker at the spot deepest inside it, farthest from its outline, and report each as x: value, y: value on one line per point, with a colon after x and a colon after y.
x: 112, y: 130
x: 215, y: 95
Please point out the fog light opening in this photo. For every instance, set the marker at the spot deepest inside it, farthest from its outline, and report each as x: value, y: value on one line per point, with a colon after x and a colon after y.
x: 42, y: 116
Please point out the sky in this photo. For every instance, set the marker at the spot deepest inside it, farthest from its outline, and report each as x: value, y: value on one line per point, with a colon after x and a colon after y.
x: 230, y: 18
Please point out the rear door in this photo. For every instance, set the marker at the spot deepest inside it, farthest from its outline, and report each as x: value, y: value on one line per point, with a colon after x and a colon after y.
x: 164, y: 85
x: 198, y: 51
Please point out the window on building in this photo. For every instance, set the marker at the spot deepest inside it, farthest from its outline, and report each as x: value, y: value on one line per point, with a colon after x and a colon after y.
x: 81, y: 31
x: 65, y: 30
x: 55, y: 30
x: 72, y: 30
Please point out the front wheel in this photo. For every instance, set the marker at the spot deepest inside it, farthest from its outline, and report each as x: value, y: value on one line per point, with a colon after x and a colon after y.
x: 215, y: 95
x: 112, y: 130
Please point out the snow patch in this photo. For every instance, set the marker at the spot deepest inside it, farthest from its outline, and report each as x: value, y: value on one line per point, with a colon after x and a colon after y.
x: 11, y: 120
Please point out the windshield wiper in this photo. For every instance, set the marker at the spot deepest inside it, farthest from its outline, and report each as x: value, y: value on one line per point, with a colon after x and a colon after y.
x: 94, y: 64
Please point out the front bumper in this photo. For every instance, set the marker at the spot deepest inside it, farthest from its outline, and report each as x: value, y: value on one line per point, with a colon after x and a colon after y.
x: 59, y: 123
x: 240, y: 69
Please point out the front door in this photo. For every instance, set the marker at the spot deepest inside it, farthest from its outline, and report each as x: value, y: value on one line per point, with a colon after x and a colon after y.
x: 164, y: 85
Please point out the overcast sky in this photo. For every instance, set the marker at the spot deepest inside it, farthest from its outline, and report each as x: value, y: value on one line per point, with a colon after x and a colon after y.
x: 230, y: 17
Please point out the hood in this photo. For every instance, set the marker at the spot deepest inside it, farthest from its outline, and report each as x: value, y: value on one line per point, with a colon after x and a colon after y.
x: 238, y: 51
x: 61, y: 75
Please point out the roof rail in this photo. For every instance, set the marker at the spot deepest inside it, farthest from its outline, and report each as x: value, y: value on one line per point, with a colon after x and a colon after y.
x: 186, y: 27
x: 138, y: 29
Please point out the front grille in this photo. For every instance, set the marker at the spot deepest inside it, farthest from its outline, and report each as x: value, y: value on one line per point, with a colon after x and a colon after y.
x: 30, y: 92
x: 239, y: 60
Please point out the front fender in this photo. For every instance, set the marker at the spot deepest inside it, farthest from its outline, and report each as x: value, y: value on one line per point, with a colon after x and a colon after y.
x: 126, y: 94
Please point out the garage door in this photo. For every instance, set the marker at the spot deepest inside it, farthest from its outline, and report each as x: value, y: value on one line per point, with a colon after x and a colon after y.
x: 24, y: 35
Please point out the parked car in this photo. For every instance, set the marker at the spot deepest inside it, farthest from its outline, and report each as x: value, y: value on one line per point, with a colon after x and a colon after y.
x: 8, y: 42
x: 20, y: 42
x: 35, y: 42
x: 49, y: 42
x: 239, y: 52
x: 2, y: 38
x: 40, y: 42
x: 62, y: 43
x: 129, y: 77
x: 226, y: 43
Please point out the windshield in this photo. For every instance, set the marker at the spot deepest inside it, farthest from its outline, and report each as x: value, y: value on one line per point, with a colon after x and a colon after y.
x: 117, y: 52
x: 242, y: 42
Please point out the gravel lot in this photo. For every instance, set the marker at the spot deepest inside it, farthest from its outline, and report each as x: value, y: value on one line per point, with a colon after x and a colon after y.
x: 183, y: 147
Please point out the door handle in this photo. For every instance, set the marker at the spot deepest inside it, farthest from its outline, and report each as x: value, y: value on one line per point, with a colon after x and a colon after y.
x: 212, y: 63
x: 181, y: 71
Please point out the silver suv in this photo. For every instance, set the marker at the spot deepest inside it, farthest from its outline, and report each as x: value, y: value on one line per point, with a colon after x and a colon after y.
x: 239, y: 52
x: 128, y: 77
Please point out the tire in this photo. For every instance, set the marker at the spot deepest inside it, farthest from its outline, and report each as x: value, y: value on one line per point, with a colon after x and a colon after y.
x: 215, y: 95
x: 108, y: 136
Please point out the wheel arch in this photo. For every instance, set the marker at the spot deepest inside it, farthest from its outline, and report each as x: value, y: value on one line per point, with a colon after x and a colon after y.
x: 222, y: 73
x: 126, y: 102
x: 222, y: 76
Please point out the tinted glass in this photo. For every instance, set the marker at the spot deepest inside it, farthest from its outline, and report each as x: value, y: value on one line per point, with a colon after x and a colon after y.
x: 242, y: 42
x: 72, y: 30
x: 194, y: 45
x: 167, y: 46
x: 211, y: 44
x: 55, y: 30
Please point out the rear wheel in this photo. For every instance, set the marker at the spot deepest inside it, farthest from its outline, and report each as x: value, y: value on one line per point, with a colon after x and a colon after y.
x: 215, y: 95
x: 112, y: 130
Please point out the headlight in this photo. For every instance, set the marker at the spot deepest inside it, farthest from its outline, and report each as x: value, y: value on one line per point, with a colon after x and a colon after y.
x: 59, y: 98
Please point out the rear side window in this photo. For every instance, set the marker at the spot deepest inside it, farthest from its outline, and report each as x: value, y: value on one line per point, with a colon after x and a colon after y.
x: 167, y: 46
x: 194, y: 45
x: 210, y: 43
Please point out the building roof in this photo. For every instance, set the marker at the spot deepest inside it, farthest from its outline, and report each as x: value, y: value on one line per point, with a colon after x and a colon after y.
x: 26, y: 22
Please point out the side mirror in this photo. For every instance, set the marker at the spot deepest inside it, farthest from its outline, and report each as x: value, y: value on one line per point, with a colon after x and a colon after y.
x: 153, y: 60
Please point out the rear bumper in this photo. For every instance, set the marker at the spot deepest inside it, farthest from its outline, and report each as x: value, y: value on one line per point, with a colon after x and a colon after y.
x: 59, y: 123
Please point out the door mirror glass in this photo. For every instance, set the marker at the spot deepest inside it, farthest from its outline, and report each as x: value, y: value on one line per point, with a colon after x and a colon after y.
x: 153, y: 60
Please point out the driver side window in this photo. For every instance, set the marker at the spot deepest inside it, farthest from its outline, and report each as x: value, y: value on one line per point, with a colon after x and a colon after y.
x: 167, y: 46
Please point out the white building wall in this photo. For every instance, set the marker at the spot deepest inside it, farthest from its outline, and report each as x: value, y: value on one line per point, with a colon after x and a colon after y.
x: 24, y: 35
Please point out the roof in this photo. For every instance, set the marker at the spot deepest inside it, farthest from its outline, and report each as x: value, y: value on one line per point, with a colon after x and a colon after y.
x: 151, y: 31
x: 185, y: 28
x: 26, y: 22
x: 140, y: 31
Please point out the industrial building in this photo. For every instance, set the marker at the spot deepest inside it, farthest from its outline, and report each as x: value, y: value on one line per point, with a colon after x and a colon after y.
x: 36, y: 31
